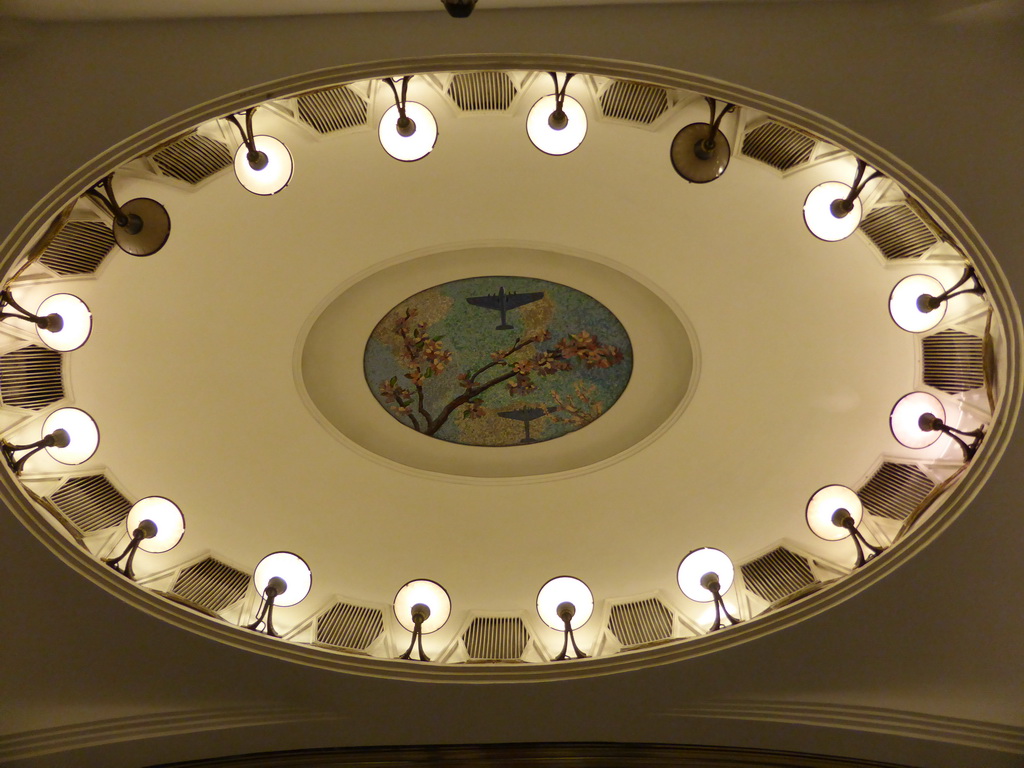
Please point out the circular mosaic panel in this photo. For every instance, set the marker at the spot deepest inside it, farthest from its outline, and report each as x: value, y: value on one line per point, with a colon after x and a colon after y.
x: 498, y: 361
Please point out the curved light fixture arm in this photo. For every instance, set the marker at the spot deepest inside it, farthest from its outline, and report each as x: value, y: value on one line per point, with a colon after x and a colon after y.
x: 560, y: 91
x: 265, y: 616
x: 59, y: 438
x: 859, y: 540
x: 926, y: 303
x: 710, y: 582
x: 417, y: 636
x: 108, y: 202
x: 841, y: 208
x: 52, y: 322
x: 568, y: 637
x: 931, y: 423
x: 406, y: 126
x: 257, y: 160
x: 146, y: 530
x: 558, y: 119
x: 709, y: 143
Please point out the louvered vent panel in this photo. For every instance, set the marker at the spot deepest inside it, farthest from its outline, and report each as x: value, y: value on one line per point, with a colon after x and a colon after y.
x: 636, y: 102
x: 898, y: 232
x: 332, y: 109
x: 895, y: 491
x: 482, y: 90
x: 777, y: 574
x: 494, y: 638
x: 91, y: 503
x: 954, y: 361
x: 349, y: 626
x: 210, y: 584
x: 778, y: 145
x: 640, y: 622
x: 78, y: 248
x: 30, y: 377
x: 193, y: 158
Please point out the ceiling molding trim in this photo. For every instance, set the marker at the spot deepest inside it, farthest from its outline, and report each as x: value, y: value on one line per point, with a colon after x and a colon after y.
x: 580, y: 755
x: 913, y: 725
x: 96, y: 733
x: 998, y: 290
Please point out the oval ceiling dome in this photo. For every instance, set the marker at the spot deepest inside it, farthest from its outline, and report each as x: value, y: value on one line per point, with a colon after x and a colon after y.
x: 489, y: 366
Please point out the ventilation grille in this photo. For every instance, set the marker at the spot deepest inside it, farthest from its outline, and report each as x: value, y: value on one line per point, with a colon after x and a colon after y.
x: 349, y: 626
x: 898, y: 232
x: 777, y: 574
x: 332, y: 109
x: 895, y: 491
x: 192, y: 158
x: 90, y: 503
x: 640, y: 622
x: 778, y: 145
x: 495, y: 638
x: 954, y: 361
x: 210, y: 584
x: 30, y: 377
x: 635, y: 102
x: 482, y: 90
x: 78, y: 248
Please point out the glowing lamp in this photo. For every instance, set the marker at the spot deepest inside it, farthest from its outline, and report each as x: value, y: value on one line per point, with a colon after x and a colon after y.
x: 918, y: 302
x: 156, y: 525
x: 557, y: 123
x: 421, y: 606
x: 408, y: 130
x: 263, y: 164
x: 69, y: 435
x: 565, y: 603
x: 63, y: 322
x: 282, y: 579
x: 918, y: 419
x: 833, y: 513
x: 704, y: 576
x: 832, y: 210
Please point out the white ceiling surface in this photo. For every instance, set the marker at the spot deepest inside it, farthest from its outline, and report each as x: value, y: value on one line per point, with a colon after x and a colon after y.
x: 912, y: 642
x: 801, y: 365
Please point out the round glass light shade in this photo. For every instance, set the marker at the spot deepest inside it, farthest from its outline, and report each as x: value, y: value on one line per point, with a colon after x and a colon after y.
x: 273, y: 177
x: 408, y: 148
x: 698, y: 563
x: 905, y: 416
x: 84, y: 434
x: 565, y: 589
x: 287, y: 566
x: 818, y: 215
x: 148, y: 238
x: 170, y: 523
x: 903, y: 303
x: 551, y: 141
x: 77, y: 322
x: 824, y: 503
x: 430, y: 594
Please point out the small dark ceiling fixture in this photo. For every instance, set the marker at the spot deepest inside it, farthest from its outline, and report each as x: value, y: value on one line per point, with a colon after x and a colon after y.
x: 141, y: 226
x: 700, y: 152
x: 459, y: 9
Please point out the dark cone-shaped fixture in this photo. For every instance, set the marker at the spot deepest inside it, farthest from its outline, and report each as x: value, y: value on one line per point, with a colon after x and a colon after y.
x: 147, y: 228
x: 141, y: 226
x: 700, y: 152
x: 459, y: 9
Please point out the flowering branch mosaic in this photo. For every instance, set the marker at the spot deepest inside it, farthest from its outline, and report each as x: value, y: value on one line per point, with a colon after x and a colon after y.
x: 457, y: 377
